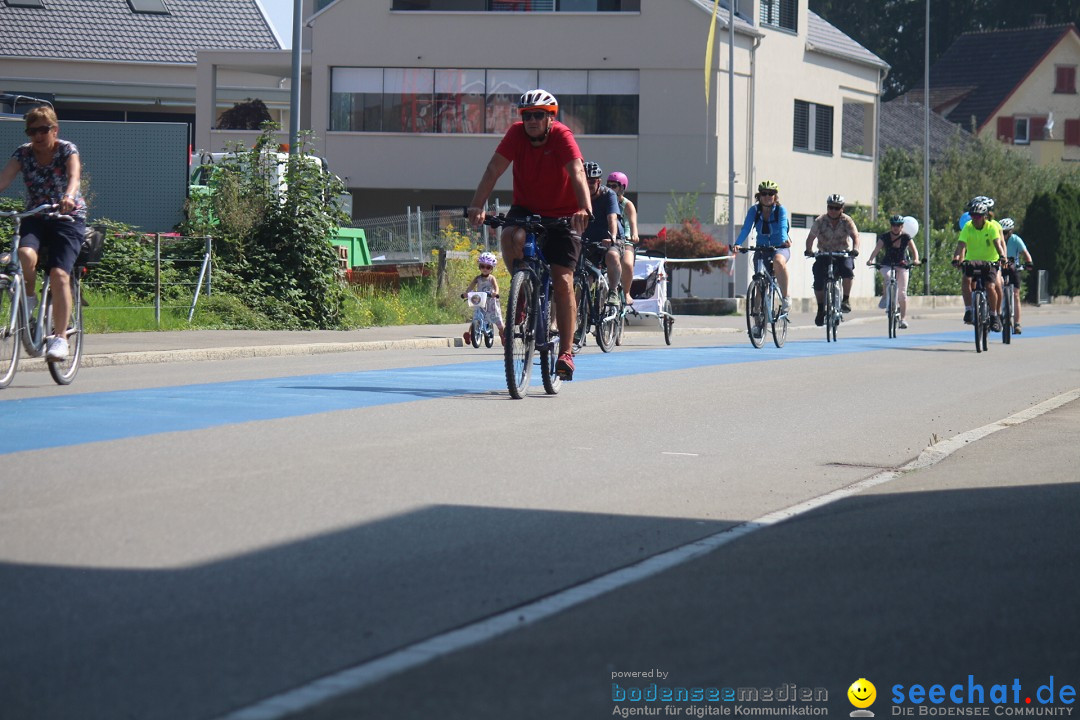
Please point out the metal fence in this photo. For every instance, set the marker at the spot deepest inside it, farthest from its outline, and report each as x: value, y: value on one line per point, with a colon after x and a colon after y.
x: 175, y: 273
x: 413, y: 236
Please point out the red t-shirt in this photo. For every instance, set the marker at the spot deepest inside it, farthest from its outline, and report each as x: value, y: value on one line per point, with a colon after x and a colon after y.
x: 541, y: 183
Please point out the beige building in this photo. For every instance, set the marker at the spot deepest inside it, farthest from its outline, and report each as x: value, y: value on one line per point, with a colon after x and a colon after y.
x: 408, y: 98
x: 1018, y: 85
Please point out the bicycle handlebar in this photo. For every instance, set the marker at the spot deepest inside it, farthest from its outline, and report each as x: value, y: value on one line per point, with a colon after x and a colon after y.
x: 899, y: 265
x: 533, y: 223
x: 832, y: 253
x: 38, y: 211
x: 758, y: 248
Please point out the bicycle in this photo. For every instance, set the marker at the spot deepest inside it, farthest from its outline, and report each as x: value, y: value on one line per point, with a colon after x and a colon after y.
x: 528, y: 309
x: 481, y: 326
x: 834, y: 314
x: 979, y: 272
x: 764, y: 301
x: 590, y: 292
x: 18, y: 318
x: 891, y: 292
x: 1008, y: 308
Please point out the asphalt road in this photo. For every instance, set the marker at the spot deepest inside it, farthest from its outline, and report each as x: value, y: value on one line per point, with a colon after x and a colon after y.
x: 203, y: 538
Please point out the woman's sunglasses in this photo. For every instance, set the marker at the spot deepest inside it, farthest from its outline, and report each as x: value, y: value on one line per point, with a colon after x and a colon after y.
x: 771, y: 192
x: 38, y: 130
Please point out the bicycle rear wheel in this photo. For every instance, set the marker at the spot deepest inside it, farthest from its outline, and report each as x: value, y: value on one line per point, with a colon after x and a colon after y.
x: 64, y: 371
x: 520, y: 334
x: 755, y: 313
x: 620, y: 325
x: 831, y: 311
x: 9, y: 335
x: 778, y: 320
x: 1006, y: 315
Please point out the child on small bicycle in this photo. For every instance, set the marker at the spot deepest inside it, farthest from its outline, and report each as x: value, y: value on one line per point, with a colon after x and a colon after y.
x: 486, y: 282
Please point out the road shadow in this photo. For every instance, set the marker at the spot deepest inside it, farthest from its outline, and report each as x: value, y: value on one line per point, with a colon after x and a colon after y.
x: 195, y: 642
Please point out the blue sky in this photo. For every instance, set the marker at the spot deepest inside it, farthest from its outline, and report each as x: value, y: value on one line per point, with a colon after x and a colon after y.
x: 280, y: 12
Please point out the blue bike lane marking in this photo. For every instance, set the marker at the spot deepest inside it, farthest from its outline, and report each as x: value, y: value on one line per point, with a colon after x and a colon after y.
x: 38, y: 423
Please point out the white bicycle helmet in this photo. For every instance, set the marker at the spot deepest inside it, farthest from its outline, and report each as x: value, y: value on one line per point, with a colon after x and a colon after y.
x: 835, y: 199
x: 487, y: 259
x: 538, y: 100
x: 1007, y: 224
x: 979, y: 208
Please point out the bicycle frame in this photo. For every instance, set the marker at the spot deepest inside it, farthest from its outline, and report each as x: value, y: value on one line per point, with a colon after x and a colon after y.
x: 833, y: 294
x: 765, y: 286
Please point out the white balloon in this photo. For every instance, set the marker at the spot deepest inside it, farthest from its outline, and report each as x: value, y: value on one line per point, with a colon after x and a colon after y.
x: 911, y: 226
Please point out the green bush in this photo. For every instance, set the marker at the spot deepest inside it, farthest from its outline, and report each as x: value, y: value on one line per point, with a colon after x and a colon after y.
x: 1052, y: 234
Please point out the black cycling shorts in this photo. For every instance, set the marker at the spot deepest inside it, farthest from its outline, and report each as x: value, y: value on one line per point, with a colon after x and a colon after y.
x: 1010, y: 274
x: 844, y: 267
x: 561, y: 246
x: 983, y: 268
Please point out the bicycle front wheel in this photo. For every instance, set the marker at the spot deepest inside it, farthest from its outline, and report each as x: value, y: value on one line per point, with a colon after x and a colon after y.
x: 755, y: 313
x: 979, y: 320
x: 520, y: 334
x: 605, y: 320
x: 476, y: 332
x: 9, y: 334
x: 778, y: 319
x: 831, y: 311
x: 64, y: 371
x: 668, y: 321
x: 894, y: 318
x: 581, y: 299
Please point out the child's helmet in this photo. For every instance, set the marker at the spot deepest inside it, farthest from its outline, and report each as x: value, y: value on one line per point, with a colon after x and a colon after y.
x: 619, y: 178
x: 487, y: 259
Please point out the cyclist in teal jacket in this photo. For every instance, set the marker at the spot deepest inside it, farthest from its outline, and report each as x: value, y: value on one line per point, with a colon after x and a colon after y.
x: 770, y: 219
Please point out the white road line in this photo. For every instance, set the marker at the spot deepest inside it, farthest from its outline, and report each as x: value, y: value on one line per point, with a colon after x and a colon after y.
x: 369, y: 673
x: 664, y: 452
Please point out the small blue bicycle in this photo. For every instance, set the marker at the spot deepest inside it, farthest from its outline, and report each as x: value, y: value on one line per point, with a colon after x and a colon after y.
x: 481, y: 326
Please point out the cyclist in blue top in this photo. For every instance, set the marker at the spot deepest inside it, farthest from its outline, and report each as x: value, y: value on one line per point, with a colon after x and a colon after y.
x: 770, y: 219
x: 1017, y: 252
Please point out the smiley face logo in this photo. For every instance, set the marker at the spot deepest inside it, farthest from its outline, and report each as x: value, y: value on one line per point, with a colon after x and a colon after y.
x: 862, y: 693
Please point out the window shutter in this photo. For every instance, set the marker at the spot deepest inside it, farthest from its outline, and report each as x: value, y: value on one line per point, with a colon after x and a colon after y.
x: 1072, y: 132
x: 1005, y: 129
x: 802, y: 125
x: 1065, y: 79
x: 823, y: 129
x: 1038, y: 128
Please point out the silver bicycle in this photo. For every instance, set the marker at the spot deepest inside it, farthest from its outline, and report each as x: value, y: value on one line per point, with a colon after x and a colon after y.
x: 20, y: 322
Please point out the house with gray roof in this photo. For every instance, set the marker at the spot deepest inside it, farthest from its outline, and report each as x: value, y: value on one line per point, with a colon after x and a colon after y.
x: 131, y: 59
x: 903, y: 127
x: 1017, y: 85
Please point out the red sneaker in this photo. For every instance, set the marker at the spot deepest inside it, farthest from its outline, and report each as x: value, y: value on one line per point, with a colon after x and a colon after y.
x: 564, y: 367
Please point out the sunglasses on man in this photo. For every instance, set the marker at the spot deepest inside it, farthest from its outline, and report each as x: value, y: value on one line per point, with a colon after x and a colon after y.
x: 40, y: 129
x: 533, y: 115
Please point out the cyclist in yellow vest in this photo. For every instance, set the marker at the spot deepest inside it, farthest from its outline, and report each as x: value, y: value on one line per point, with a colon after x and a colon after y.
x: 981, y: 240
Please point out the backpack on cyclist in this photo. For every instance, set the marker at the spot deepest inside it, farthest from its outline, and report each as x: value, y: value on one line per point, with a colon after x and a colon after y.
x: 93, y: 247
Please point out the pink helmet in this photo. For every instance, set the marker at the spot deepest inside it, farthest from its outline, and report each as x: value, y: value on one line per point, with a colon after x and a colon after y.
x: 619, y: 178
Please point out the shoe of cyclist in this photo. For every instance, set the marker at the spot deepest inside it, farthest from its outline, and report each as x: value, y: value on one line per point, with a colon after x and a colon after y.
x: 1016, y: 328
x: 56, y: 349
x: 613, y: 297
x: 819, y: 319
x: 564, y: 367
x: 467, y: 335
x: 845, y: 305
x: 995, y: 323
x: 785, y: 305
x: 903, y: 324
x: 967, y: 317
x: 883, y: 303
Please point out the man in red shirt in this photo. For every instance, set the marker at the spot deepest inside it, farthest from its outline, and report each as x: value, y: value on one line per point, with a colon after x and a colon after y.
x: 549, y: 181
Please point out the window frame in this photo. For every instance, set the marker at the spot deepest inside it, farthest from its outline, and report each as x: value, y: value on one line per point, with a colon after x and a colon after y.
x: 1025, y: 122
x: 812, y: 133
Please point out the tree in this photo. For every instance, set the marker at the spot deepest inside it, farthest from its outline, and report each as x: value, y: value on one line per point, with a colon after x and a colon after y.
x: 1052, y: 233
x: 249, y: 114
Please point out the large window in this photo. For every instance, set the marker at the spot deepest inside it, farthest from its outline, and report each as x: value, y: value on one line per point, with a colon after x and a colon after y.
x: 780, y: 14
x: 813, y: 127
x: 451, y: 100
x: 518, y: 5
